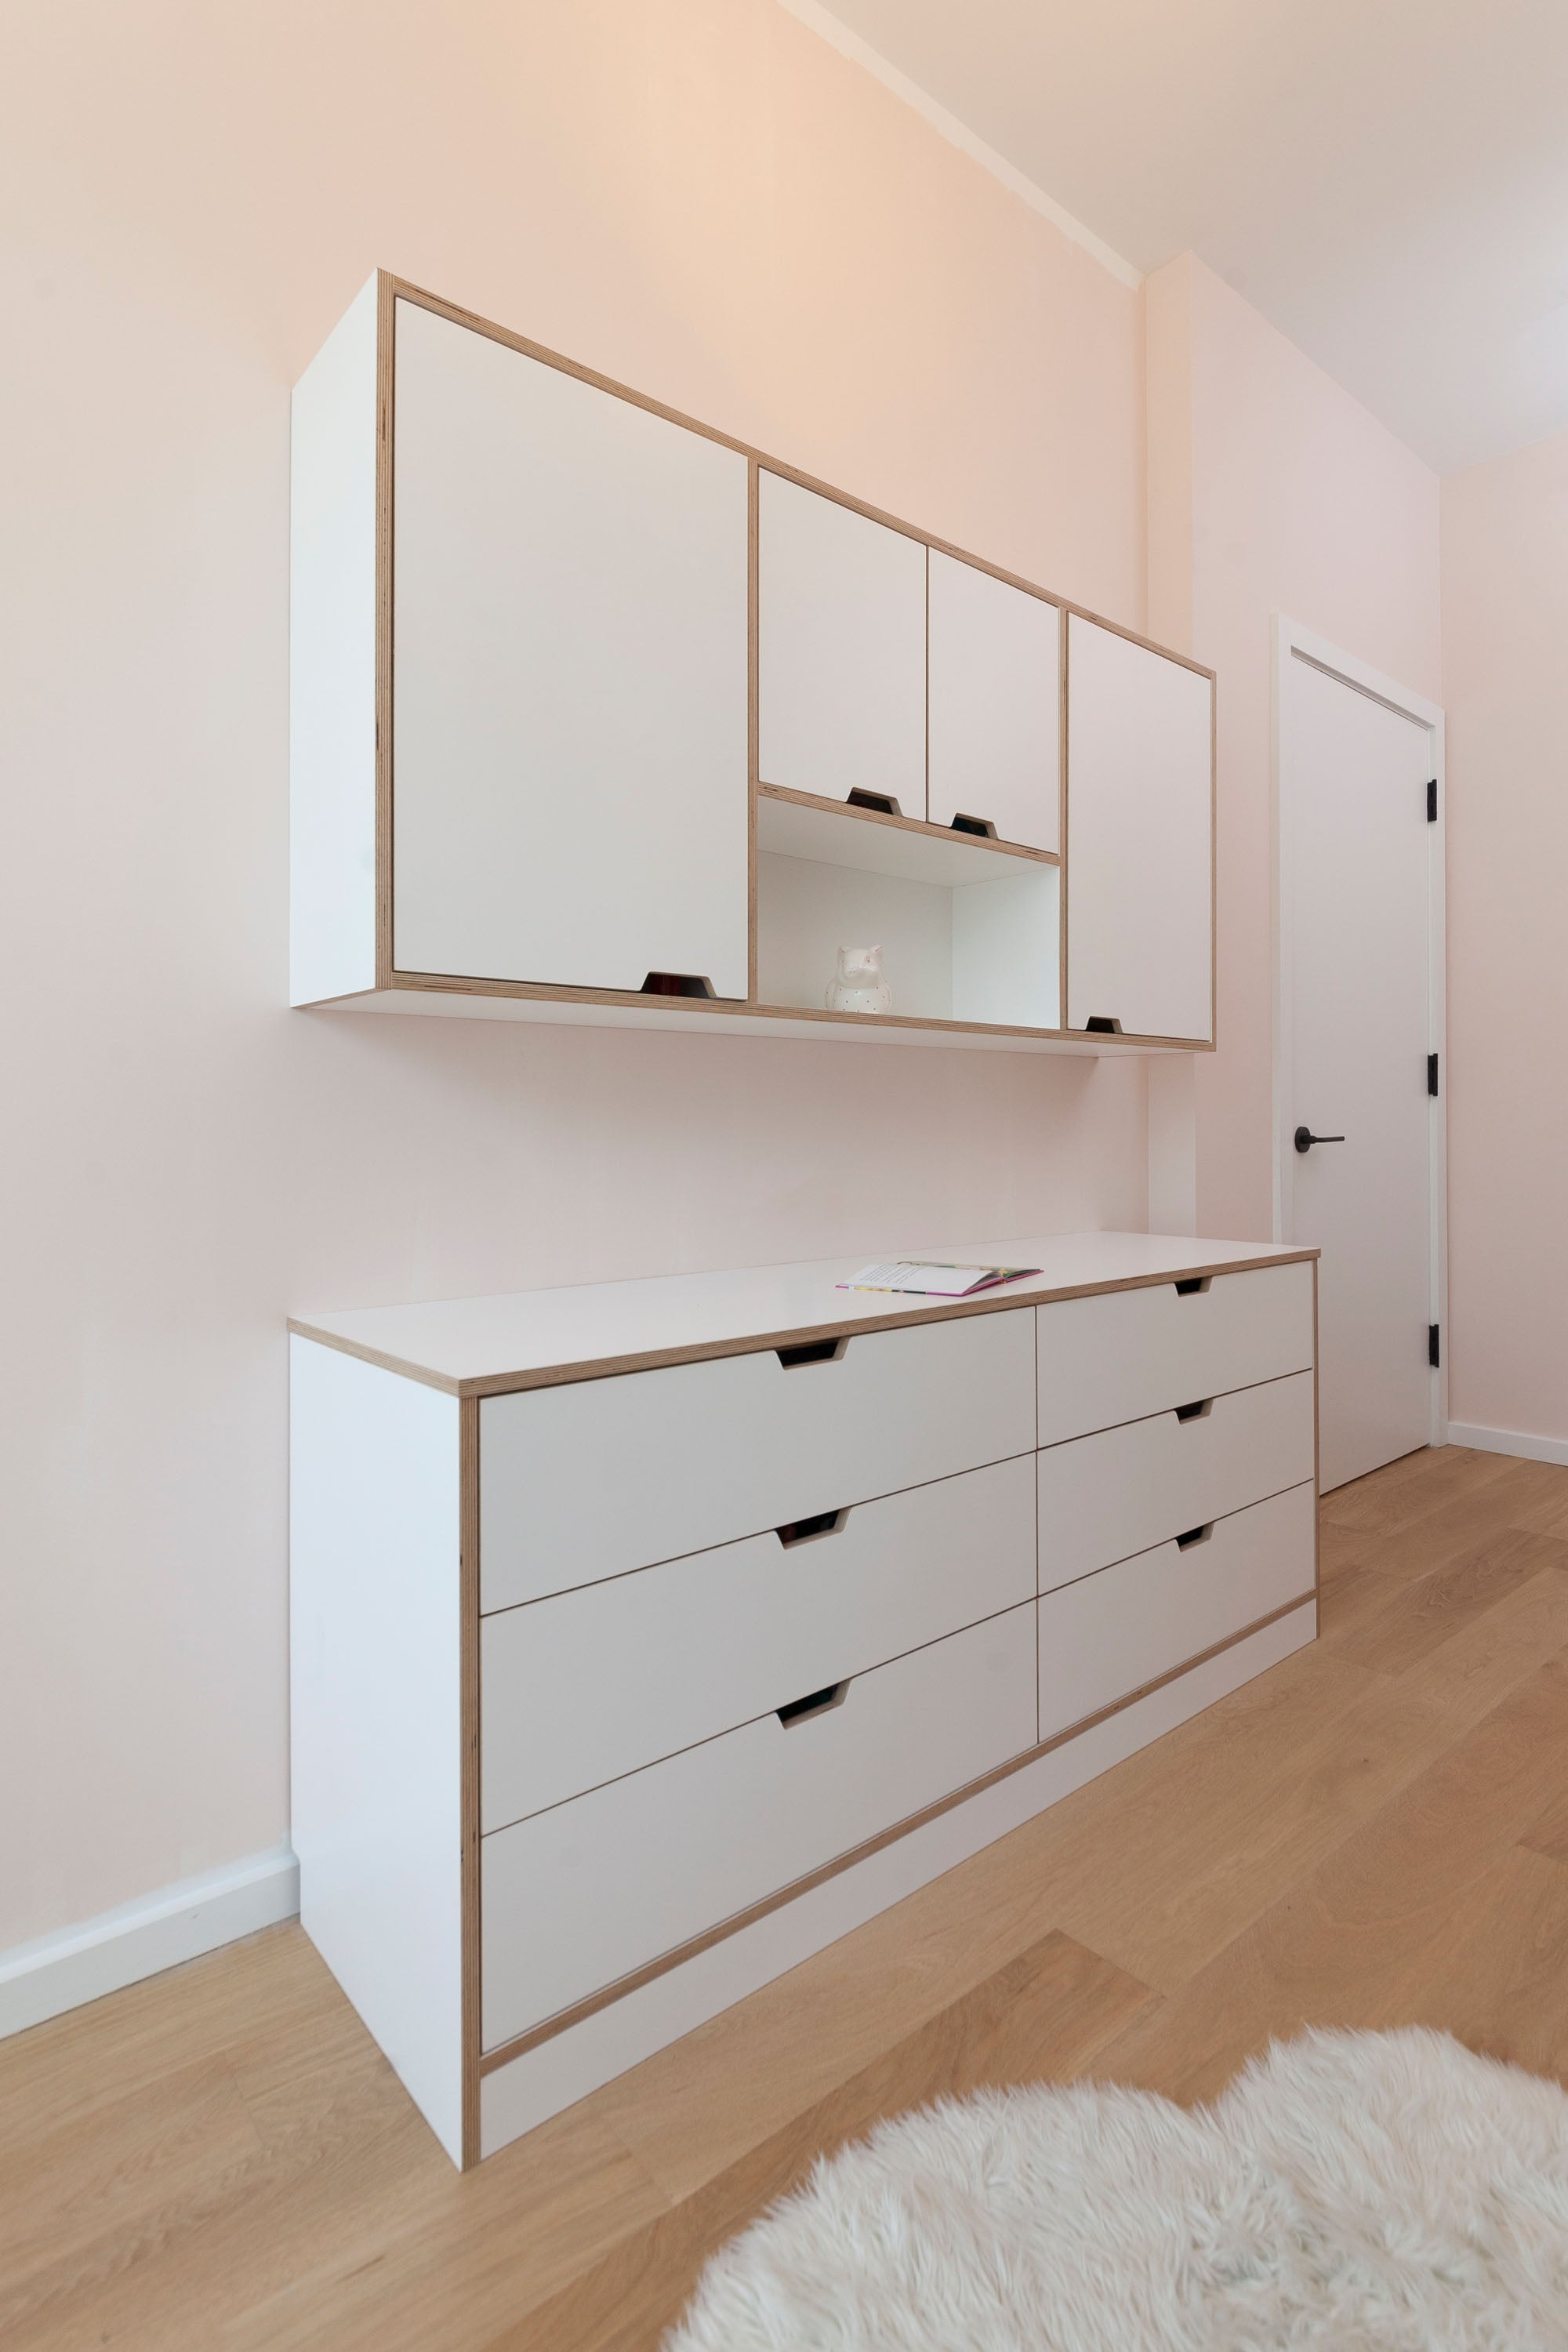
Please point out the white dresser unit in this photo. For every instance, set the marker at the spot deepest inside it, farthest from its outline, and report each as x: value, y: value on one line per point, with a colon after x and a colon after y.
x: 599, y: 715
x: 649, y: 1637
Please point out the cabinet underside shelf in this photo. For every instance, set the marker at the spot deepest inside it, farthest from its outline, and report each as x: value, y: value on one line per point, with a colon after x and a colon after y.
x: 492, y: 1000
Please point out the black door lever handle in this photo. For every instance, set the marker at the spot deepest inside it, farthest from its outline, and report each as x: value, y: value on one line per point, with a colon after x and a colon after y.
x: 1305, y: 1138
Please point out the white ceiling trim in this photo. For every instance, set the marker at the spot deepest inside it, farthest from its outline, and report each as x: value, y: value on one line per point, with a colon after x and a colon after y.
x: 958, y: 134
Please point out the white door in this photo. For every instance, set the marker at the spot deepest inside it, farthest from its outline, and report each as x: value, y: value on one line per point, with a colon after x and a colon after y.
x: 994, y: 730
x: 1140, y: 839
x: 569, y: 797
x: 1357, y: 1022
x: 841, y: 650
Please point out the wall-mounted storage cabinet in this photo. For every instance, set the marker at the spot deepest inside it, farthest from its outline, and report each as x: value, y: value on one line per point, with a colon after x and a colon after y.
x: 598, y: 715
x: 1139, y: 838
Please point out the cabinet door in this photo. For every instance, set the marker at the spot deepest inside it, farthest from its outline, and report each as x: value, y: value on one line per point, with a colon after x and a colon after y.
x: 569, y: 729
x: 841, y: 650
x: 994, y: 736
x: 1140, y: 828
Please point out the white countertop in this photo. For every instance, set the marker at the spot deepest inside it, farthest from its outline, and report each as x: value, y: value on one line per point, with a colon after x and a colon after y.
x: 532, y: 1339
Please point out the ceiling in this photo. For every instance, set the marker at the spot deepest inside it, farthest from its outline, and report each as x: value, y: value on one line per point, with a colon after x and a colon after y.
x: 1386, y: 180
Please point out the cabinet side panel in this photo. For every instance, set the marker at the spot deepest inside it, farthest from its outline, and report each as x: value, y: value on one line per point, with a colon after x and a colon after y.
x: 376, y: 1731
x: 331, y: 663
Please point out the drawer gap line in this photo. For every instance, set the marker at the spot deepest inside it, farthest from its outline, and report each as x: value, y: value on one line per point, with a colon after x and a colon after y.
x: 1030, y: 1601
x: 1219, y: 1397
x: 750, y: 1535
x: 1218, y: 1520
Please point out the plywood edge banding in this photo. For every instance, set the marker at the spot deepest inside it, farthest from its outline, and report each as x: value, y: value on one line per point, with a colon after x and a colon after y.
x: 720, y: 1007
x: 753, y: 712
x: 1088, y: 1044
x: 468, y: 1706
x: 759, y: 1343
x: 911, y: 824
x: 385, y: 558
x: 378, y: 1356
x: 747, y: 1008
x: 518, y: 2047
x: 402, y: 290
x: 1116, y: 629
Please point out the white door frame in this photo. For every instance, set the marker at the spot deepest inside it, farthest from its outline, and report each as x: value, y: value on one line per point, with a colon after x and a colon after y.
x: 1292, y: 642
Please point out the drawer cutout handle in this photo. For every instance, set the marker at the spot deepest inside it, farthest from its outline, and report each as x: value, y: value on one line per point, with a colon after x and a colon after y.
x: 883, y: 802
x: 1193, y: 1285
x: 822, y: 1523
x: 1194, y: 1536
x: 1199, y: 1412
x: 1100, y: 1025
x: 814, y: 1703
x: 982, y: 825
x: 813, y: 1352
x: 678, y: 984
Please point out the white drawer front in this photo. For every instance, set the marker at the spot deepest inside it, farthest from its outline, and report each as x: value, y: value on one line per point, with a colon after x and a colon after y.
x: 578, y: 1897
x: 1115, y: 1358
x: 1104, y: 1497
x: 599, y: 1476
x: 588, y: 1685
x: 1111, y: 1632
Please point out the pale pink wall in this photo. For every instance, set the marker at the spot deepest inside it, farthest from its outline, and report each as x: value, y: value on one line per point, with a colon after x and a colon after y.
x: 1270, y: 490
x: 700, y: 197
x: 1505, y: 631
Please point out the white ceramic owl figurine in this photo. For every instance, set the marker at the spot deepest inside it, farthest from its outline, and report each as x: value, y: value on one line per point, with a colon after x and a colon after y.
x: 858, y: 985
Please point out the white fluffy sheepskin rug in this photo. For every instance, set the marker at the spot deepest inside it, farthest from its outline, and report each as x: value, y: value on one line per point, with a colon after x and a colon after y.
x: 1367, y: 2192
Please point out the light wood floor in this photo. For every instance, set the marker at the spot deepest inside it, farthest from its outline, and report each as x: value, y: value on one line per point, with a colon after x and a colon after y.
x: 1375, y: 1833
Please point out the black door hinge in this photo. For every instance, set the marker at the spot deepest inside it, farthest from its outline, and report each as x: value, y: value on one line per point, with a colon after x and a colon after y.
x: 1432, y: 801
x: 1431, y: 1074
x: 1432, y: 1353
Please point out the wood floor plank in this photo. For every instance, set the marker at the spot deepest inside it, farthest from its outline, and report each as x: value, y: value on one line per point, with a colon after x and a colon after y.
x: 1502, y: 1987
x: 263, y: 1987
x: 81, y: 2206
x: 1350, y: 1597
x: 1536, y: 1497
x: 1439, y: 1537
x: 1423, y: 1615
x: 1340, y: 1550
x: 1171, y: 1869
x: 1376, y: 1935
x: 455, y: 2267
x: 1548, y: 1832
x: 349, y: 2225
x: 1411, y: 1488
x: 1043, y: 2017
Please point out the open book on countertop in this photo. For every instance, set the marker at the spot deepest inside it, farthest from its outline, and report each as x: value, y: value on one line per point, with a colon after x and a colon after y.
x: 934, y: 1281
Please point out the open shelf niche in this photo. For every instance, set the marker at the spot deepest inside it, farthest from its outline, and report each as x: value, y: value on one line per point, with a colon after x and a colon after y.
x: 970, y: 929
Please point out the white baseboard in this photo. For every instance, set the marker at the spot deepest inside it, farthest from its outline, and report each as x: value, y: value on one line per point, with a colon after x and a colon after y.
x: 157, y: 1931
x: 1507, y: 1441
